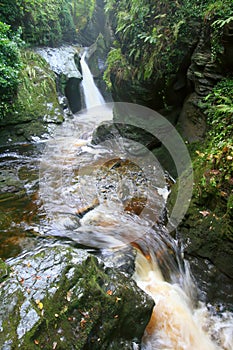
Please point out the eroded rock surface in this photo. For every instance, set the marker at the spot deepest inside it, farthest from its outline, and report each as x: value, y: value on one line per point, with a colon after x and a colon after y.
x: 64, y: 298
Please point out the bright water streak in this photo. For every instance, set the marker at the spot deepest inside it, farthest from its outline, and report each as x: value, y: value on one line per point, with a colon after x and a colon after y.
x: 71, y: 177
x: 174, y: 324
x: 92, y: 94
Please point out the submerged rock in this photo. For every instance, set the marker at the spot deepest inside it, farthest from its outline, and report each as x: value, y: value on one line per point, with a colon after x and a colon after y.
x: 64, y: 298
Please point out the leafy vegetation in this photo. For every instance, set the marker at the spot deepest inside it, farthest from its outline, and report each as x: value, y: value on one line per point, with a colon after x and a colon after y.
x: 47, y: 22
x: 154, y: 37
x: 218, y: 14
x: 43, y: 22
x: 10, y: 66
x: 148, y: 32
x: 217, y: 158
x: 82, y: 11
x: 121, y: 71
x: 39, y: 22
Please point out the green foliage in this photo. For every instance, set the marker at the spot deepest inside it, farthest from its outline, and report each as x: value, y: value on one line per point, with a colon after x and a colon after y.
x: 219, y: 14
x: 82, y: 11
x: 116, y: 59
x: 154, y: 36
x: 217, y: 160
x: 47, y: 22
x: 10, y: 66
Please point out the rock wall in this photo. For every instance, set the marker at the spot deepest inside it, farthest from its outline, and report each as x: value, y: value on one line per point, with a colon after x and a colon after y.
x: 36, y: 110
x: 206, y: 228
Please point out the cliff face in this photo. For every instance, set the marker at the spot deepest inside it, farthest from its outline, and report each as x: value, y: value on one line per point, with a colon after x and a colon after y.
x: 176, y: 59
x: 168, y: 56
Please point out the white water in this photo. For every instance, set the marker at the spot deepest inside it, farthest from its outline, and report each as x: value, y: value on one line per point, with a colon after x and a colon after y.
x: 175, y: 324
x: 92, y: 94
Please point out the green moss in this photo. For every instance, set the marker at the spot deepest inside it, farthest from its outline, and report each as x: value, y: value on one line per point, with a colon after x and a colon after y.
x: 36, y: 104
x: 43, y: 22
x: 4, y: 270
x: 207, y: 227
x: 91, y: 309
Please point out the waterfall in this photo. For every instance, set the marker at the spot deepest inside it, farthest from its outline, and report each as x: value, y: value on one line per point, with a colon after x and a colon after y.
x: 174, y: 323
x: 92, y: 194
x: 92, y: 94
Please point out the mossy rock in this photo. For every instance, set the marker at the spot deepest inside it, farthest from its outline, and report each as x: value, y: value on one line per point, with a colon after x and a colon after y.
x: 36, y: 108
x: 4, y: 270
x: 63, y: 296
x: 206, y: 229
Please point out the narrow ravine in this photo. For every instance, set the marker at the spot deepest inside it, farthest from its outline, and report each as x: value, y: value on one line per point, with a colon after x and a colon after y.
x: 96, y: 196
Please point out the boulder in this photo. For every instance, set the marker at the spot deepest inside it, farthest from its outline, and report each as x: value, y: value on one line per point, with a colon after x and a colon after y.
x: 65, y: 298
x: 35, y: 110
x: 64, y: 62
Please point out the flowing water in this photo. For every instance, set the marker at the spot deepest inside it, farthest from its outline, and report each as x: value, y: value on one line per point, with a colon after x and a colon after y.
x: 103, y: 196
x: 92, y: 94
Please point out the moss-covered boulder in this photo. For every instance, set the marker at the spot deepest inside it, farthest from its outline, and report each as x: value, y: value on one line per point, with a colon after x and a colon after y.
x: 62, y: 298
x: 36, y: 110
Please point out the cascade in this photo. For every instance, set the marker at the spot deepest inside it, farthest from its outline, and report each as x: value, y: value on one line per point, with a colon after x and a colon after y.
x: 92, y: 94
x: 175, y: 323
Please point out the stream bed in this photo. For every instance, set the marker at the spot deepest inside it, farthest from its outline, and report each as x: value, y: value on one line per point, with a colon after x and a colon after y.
x: 106, y: 197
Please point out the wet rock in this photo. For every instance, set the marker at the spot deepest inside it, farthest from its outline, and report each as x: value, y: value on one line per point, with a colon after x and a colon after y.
x: 140, y: 137
x: 97, y: 55
x: 64, y: 62
x: 105, y: 131
x: 36, y: 110
x: 61, y: 60
x: 202, y: 75
x: 192, y: 120
x: 10, y: 184
x: 60, y: 297
x: 206, y: 231
x: 208, y: 237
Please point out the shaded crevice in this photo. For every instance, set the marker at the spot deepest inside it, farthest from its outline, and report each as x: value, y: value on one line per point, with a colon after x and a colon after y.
x: 73, y: 94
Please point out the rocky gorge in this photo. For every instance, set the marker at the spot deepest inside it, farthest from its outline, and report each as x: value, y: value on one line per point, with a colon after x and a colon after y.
x: 65, y: 296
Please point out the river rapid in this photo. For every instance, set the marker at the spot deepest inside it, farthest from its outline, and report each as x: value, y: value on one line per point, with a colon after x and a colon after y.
x: 104, y: 197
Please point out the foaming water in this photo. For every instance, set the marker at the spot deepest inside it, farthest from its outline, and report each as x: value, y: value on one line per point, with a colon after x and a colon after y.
x: 103, y: 197
x: 174, y: 323
x: 81, y: 185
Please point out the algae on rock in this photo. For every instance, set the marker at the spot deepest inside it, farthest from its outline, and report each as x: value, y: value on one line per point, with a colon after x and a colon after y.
x: 36, y: 109
x: 64, y: 296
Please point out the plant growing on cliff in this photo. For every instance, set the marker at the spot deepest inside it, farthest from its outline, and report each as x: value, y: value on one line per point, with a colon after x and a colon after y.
x: 10, y: 66
x: 217, y: 159
x: 220, y: 15
x: 122, y: 72
x: 82, y: 11
x: 43, y: 22
x: 154, y: 37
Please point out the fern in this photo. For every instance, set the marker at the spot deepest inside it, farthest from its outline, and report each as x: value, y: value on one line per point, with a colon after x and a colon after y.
x: 220, y: 23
